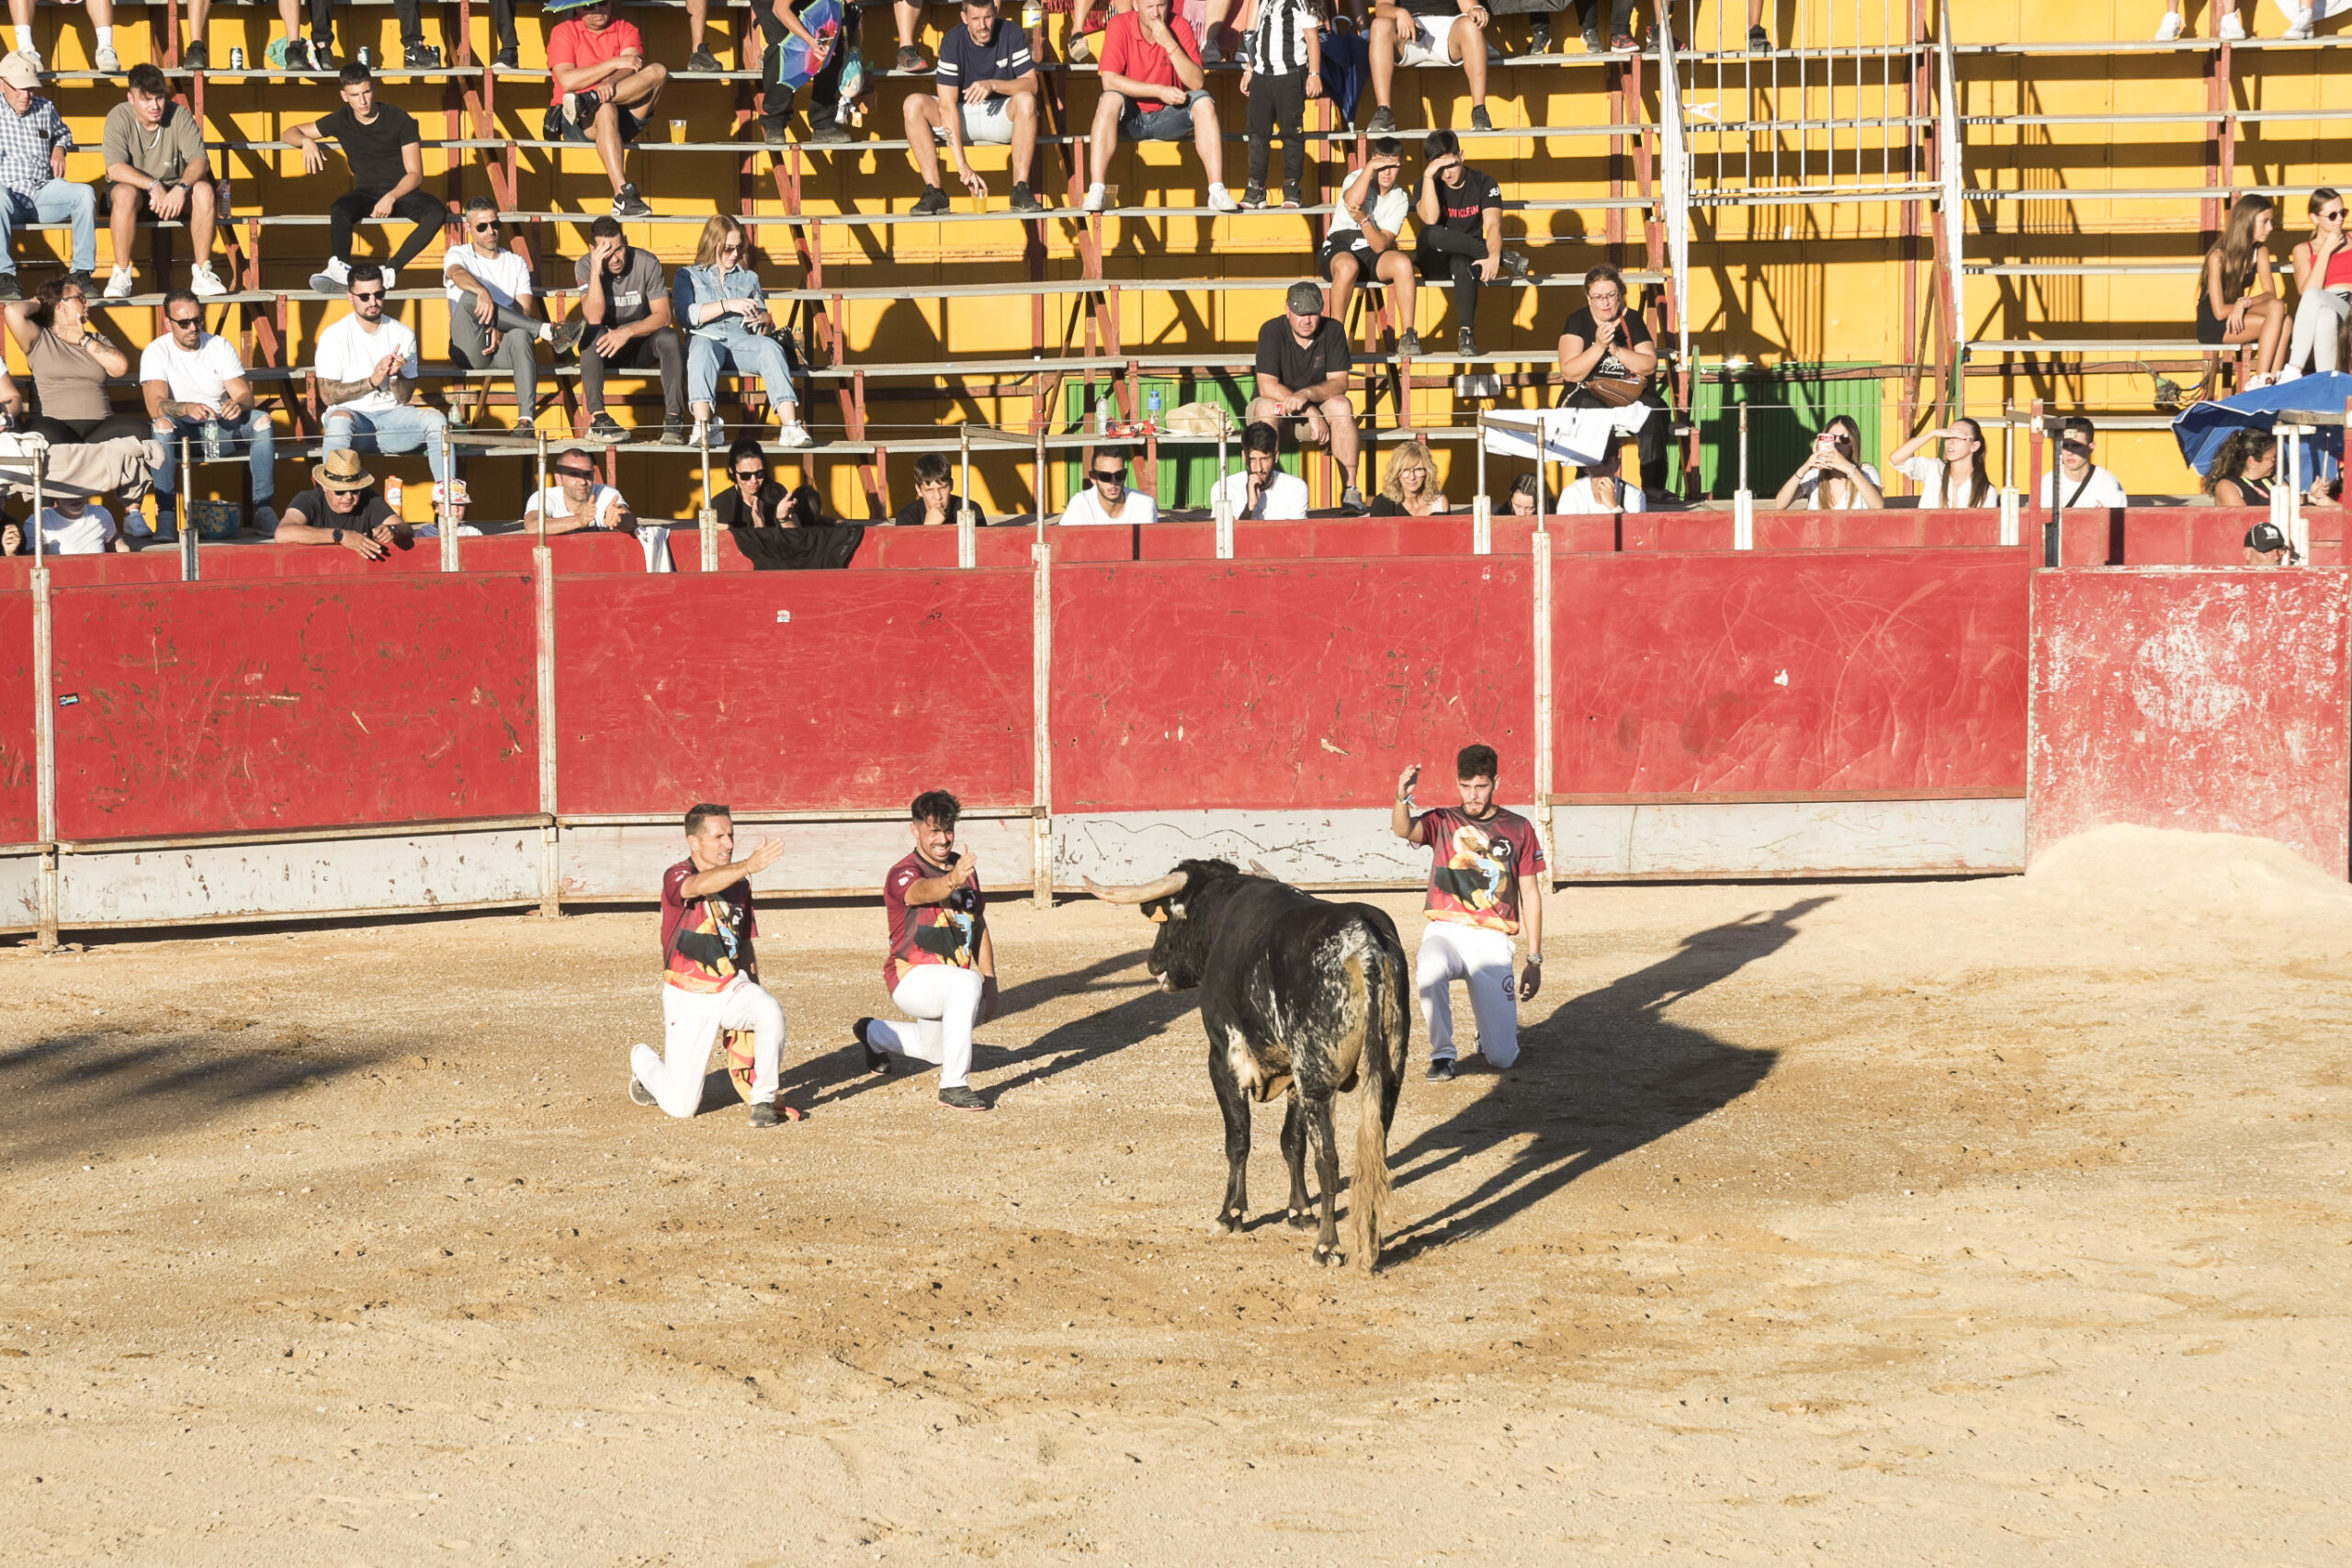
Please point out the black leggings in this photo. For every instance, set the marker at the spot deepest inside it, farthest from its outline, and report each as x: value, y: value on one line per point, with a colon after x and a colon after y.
x: 87, y: 431
x: 1448, y: 252
x: 410, y: 12
x: 429, y: 213
x: 1277, y: 101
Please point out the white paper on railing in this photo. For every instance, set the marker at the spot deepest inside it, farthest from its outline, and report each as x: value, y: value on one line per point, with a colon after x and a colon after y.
x: 656, y: 546
x: 1566, y: 435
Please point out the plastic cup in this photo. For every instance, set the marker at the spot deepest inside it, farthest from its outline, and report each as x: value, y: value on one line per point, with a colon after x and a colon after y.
x: 677, y: 133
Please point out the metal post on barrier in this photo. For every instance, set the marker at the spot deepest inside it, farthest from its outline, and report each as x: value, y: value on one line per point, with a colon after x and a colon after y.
x: 543, y: 648
x: 2012, y: 503
x: 187, y: 516
x: 1482, y: 505
x: 1044, y: 496
x: 44, y: 738
x: 1220, y: 498
x: 443, y: 523
x: 707, y: 516
x: 1041, y: 690
x: 967, y: 548
x: 1742, y: 499
x: 539, y: 496
x: 1541, y: 565
x: 2284, y: 495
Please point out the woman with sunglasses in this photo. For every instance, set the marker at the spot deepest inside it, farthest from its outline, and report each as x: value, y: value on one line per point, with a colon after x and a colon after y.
x: 724, y: 310
x: 1106, y: 500
x: 1954, y: 476
x: 71, y: 362
x: 752, y: 498
x: 2323, y: 290
x: 1832, y: 479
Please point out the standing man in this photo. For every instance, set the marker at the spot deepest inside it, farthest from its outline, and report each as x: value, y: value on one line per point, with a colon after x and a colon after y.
x: 1153, y: 91
x: 387, y: 158
x: 1302, y: 375
x: 625, y: 324
x: 1262, y: 489
x: 156, y: 163
x: 1477, y: 904
x: 191, y: 378
x: 710, y: 975
x: 942, y: 968
x: 1461, y: 215
x: 490, y: 307
x: 988, y: 92
x: 33, y: 186
x: 605, y: 90
x: 366, y: 372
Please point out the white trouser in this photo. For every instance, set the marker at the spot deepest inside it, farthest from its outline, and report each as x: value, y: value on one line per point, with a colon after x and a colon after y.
x: 691, y: 1022
x: 2319, y: 326
x: 1481, y: 959
x: 945, y: 1002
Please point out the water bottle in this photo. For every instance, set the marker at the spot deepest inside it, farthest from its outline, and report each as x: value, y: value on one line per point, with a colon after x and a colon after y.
x: 1102, y: 417
x: 215, y: 440
x: 1151, y: 407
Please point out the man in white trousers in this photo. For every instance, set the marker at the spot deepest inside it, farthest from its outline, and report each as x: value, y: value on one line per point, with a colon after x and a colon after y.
x: 710, y: 975
x: 942, y: 967
x: 1477, y: 904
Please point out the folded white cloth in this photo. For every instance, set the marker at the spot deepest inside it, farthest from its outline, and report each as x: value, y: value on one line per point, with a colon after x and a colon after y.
x: 1566, y: 435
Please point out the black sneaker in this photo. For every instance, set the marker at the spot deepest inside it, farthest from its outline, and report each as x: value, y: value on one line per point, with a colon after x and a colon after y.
x: 605, y: 427
x: 580, y: 108
x: 195, y: 57
x: 420, y: 57
x: 1022, y: 201
x: 876, y: 1061
x: 638, y: 1094
x: 1253, y: 195
x: 962, y: 1099
x: 1409, y: 343
x: 1466, y: 345
x: 764, y: 1116
x: 1382, y: 123
x: 87, y: 282
x: 1351, y: 502
x: 703, y: 60
x: 1539, y: 36
x: 505, y: 60
x: 932, y: 201
x: 673, y: 432
x: 8, y: 286
x: 911, y: 59
x: 628, y: 204
x: 1480, y: 120
x: 568, y: 335
x: 324, y: 57
x: 1513, y: 265
x: 1593, y: 42
x: 832, y: 134
x: 1441, y: 1069
x: 1759, y: 41
x: 1293, y: 193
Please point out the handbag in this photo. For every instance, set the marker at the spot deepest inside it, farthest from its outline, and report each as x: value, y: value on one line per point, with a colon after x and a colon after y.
x: 1608, y: 390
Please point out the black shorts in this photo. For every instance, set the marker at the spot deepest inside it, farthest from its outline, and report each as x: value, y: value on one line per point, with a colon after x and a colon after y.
x: 1352, y: 240
x: 556, y: 127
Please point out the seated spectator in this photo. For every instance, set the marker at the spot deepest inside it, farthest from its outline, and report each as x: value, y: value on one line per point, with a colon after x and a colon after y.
x: 578, y: 500
x: 2242, y: 469
x: 33, y: 186
x: 1411, y: 487
x: 1262, y: 489
x: 2236, y: 301
x: 1153, y: 91
x: 71, y: 362
x: 192, y: 377
x: 1301, y: 371
x: 2079, y: 482
x: 367, y: 367
x: 2323, y: 288
x: 2266, y: 544
x: 1281, y: 68
x: 1608, y: 358
x: 103, y: 57
x: 604, y: 89
x: 754, y: 499
x: 341, y: 508
x: 12, y: 538
x: 156, y: 163
x: 1361, y: 246
x: 935, y: 502
x: 1600, y: 489
x: 451, y: 500
x: 1106, y: 499
x: 387, y: 158
x: 831, y: 52
x: 988, y: 92
x: 731, y: 327
x: 1524, y: 498
x: 75, y: 526
x: 1461, y: 217
x: 1953, y: 475
x: 625, y: 324
x: 1833, y: 478
x: 1428, y: 32
x: 490, y: 308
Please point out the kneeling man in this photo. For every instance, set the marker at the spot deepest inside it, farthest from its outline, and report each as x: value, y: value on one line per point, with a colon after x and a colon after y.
x: 711, y: 977
x: 942, y: 968
x: 1477, y: 904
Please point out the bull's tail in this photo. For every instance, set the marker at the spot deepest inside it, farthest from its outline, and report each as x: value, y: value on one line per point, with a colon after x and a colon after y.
x: 1387, y: 1044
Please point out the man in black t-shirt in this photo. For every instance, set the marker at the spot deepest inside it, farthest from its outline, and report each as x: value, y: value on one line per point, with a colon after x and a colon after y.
x: 1303, y: 378
x: 341, y: 508
x: 1606, y: 341
x: 1461, y: 216
x: 387, y: 158
x: 988, y: 92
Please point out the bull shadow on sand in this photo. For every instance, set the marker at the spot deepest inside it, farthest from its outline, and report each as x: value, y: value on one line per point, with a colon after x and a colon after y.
x: 1601, y: 1077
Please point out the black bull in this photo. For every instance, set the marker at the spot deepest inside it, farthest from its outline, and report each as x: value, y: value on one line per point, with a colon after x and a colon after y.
x: 1299, y: 997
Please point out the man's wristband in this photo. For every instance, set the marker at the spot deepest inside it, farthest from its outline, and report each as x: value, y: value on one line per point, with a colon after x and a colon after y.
x: 1534, y: 960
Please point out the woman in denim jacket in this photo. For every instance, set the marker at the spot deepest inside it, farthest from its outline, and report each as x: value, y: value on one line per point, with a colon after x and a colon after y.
x: 720, y: 306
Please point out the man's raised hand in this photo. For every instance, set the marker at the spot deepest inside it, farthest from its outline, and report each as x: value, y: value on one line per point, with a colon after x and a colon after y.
x: 763, y: 855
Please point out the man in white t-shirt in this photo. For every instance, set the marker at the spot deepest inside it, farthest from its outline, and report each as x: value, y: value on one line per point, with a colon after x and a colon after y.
x: 1262, y: 489
x: 367, y: 367
x: 192, y: 377
x: 1106, y: 501
x: 2077, y: 484
x: 71, y: 527
x: 490, y: 307
x: 577, y: 501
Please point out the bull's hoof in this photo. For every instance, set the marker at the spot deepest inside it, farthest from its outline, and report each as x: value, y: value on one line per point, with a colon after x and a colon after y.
x: 1329, y: 1257
x: 1226, y: 1223
x: 1302, y: 1220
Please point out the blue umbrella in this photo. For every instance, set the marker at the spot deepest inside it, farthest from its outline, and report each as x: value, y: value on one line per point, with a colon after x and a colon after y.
x: 2202, y: 427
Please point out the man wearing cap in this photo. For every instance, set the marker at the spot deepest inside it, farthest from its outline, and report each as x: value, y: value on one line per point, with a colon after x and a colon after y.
x: 33, y: 186
x: 2266, y: 544
x: 1303, y: 375
x: 341, y: 508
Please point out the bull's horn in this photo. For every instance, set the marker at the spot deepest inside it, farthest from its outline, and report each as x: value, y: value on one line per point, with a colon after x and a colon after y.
x: 1138, y: 893
x: 1257, y: 870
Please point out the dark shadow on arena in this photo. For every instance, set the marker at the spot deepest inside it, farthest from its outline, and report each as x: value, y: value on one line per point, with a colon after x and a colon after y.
x: 1601, y: 1077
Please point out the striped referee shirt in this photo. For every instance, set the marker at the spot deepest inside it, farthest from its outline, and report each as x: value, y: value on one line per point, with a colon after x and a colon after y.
x: 1277, y: 44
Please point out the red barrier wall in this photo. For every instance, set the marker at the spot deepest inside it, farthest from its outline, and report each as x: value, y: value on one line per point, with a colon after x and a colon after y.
x: 2210, y: 700
x: 1791, y: 674
x: 243, y: 706
x: 671, y: 690
x: 1306, y: 684
x: 19, y: 813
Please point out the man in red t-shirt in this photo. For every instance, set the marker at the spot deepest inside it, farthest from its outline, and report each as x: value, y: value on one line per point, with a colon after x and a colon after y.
x: 1477, y: 904
x: 942, y: 967
x: 1153, y: 91
x: 605, y: 90
x: 710, y: 975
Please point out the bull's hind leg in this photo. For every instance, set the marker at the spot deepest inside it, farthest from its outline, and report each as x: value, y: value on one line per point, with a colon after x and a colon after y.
x: 1295, y: 1156
x: 1236, y: 1106
x: 1327, y: 1177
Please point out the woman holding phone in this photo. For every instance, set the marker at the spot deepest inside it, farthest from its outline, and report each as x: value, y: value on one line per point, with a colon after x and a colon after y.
x: 1833, y: 478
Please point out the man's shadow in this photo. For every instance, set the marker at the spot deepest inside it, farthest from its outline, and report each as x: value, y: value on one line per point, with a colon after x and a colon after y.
x: 1601, y: 1077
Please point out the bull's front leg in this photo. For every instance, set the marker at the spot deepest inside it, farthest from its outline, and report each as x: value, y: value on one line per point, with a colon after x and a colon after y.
x: 1294, y: 1155
x: 1236, y: 1106
x: 1327, y: 1177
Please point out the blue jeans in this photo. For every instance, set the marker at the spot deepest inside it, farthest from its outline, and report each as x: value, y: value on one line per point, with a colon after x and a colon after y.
x: 251, y: 435
x: 59, y: 201
x: 388, y: 433
x: 749, y: 353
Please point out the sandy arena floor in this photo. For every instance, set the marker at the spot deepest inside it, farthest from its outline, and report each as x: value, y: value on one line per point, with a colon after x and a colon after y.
x: 1917, y: 1222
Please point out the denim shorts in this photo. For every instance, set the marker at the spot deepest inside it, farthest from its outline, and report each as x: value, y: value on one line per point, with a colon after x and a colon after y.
x: 1169, y: 122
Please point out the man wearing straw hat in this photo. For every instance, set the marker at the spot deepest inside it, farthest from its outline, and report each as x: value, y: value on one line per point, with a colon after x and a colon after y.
x: 341, y: 508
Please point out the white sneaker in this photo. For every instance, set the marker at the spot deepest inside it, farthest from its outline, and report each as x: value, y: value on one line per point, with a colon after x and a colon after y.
x: 202, y: 281
x: 332, y: 278
x: 2290, y: 374
x: 1221, y: 200
x: 1094, y: 198
x: 2168, y: 30
x: 2298, y: 26
x: 793, y: 434
x: 107, y: 60
x: 2256, y: 381
x: 391, y: 278
x: 118, y: 284
x: 702, y: 432
x: 2231, y: 27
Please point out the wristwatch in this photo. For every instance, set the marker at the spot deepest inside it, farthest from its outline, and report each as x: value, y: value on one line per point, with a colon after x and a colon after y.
x: 338, y: 536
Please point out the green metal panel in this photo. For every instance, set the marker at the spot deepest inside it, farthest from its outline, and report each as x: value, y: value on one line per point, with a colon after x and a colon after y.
x: 1786, y: 409
x: 1184, y: 481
